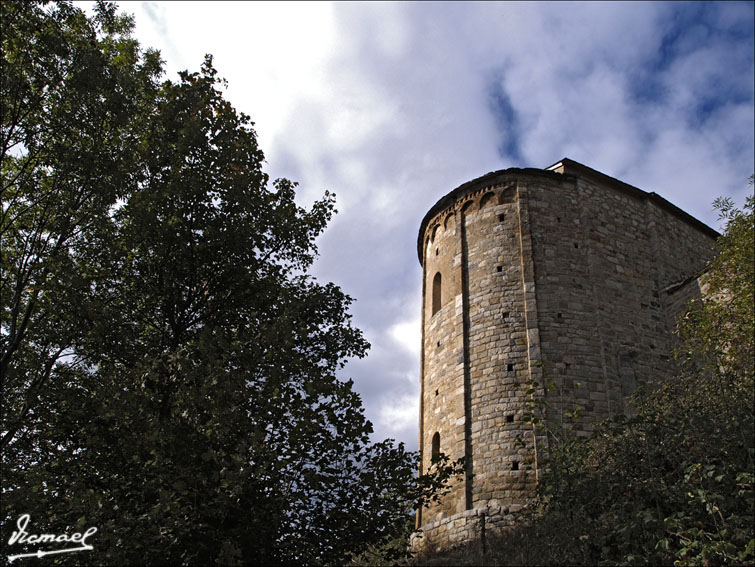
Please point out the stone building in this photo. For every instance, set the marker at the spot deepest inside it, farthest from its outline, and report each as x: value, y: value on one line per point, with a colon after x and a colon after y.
x: 561, y: 273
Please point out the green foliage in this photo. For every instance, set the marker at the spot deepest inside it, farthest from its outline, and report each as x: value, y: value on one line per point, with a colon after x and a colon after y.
x: 74, y: 97
x: 722, y: 330
x: 402, y: 500
x: 169, y: 367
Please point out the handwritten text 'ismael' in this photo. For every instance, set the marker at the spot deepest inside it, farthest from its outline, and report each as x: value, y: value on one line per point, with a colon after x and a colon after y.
x: 23, y: 537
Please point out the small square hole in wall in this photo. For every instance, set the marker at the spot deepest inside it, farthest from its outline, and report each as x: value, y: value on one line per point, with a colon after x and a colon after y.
x: 510, y: 418
x: 436, y: 392
x: 438, y: 343
x: 501, y: 217
x: 515, y: 465
x: 510, y: 366
x: 576, y: 245
x: 559, y: 315
x: 499, y: 269
x: 505, y: 314
x: 558, y: 219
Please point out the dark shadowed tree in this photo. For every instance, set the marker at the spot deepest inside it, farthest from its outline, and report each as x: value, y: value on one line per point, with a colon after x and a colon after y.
x: 75, y: 94
x: 169, y: 367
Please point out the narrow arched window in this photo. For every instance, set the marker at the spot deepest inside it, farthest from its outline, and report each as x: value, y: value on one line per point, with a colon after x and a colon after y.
x: 435, y: 454
x: 436, y: 293
x: 487, y: 199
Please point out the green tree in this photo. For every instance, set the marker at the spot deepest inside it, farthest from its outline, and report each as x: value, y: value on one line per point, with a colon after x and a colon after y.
x: 721, y: 329
x: 74, y: 96
x: 169, y: 365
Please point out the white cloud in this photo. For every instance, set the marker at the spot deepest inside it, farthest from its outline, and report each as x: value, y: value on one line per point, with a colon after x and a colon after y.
x: 389, y: 105
x: 408, y: 335
x: 400, y: 414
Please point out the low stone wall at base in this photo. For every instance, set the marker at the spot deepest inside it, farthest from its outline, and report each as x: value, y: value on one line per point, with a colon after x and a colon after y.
x: 461, y: 528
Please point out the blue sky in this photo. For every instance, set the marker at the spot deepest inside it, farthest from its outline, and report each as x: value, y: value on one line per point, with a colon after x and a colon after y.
x: 392, y: 105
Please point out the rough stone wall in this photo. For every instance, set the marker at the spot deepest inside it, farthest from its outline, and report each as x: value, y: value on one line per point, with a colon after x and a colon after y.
x: 466, y: 526
x: 676, y: 297
x: 477, y: 351
x: 564, y: 275
x: 443, y: 384
x: 504, y: 470
x: 604, y: 258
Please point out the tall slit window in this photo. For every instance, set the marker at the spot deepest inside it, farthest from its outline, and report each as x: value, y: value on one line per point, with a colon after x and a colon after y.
x: 436, y: 293
x: 435, y: 454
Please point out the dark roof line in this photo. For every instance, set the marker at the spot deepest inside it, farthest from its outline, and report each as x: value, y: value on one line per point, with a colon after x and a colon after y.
x: 489, y: 179
x: 571, y: 168
x: 639, y: 193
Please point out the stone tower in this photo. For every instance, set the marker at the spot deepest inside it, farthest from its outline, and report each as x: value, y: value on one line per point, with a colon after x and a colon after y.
x: 564, y: 272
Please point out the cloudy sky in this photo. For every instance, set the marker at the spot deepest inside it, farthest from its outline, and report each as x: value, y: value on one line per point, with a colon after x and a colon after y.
x: 393, y: 105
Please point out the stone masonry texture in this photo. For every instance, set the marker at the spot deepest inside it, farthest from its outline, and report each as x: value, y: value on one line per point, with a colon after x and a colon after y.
x: 564, y: 274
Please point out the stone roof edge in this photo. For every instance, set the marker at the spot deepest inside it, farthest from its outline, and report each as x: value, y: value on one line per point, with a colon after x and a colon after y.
x: 571, y: 168
x: 488, y: 180
x: 581, y: 170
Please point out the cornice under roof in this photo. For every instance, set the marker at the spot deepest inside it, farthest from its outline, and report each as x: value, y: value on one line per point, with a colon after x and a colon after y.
x: 570, y: 168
